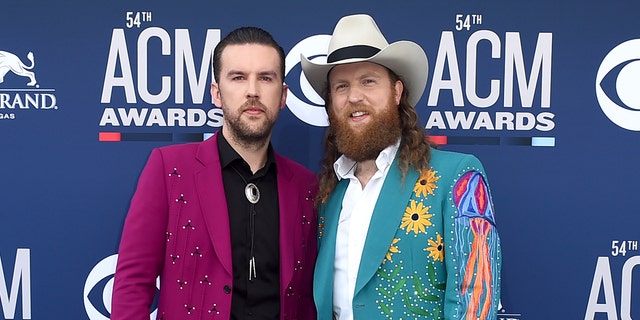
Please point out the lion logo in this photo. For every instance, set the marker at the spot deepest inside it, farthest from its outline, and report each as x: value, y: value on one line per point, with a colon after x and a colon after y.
x: 11, y: 62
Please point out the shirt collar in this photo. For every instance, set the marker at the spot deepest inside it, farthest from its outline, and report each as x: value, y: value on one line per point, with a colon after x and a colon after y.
x: 228, y: 155
x: 346, y: 167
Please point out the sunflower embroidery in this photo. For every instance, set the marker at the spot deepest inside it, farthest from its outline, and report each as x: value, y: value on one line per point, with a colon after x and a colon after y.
x: 392, y: 249
x: 426, y: 183
x: 436, y: 248
x: 416, y: 217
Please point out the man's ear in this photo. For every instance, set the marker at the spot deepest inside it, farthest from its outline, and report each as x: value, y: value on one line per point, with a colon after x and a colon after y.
x: 283, y: 102
x: 398, y: 88
x: 215, y: 95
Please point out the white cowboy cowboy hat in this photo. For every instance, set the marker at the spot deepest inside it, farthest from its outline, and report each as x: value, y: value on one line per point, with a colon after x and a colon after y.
x: 357, y: 38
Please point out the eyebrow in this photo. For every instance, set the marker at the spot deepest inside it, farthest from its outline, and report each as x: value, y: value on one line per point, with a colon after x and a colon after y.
x: 262, y: 73
x: 268, y: 73
x: 370, y: 74
x: 365, y: 75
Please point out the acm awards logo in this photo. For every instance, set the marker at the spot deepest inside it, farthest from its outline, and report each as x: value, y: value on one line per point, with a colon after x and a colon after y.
x: 122, y: 91
x: 620, y: 104
x: 475, y: 116
x: 120, y: 58
x: 120, y: 87
x: 15, y: 95
x: 98, y: 289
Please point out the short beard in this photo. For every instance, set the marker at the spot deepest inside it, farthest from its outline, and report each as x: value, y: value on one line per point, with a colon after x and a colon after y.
x: 243, y: 133
x: 382, y: 131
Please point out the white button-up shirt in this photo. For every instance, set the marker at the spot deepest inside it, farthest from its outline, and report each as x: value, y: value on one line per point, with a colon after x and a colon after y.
x: 357, y: 208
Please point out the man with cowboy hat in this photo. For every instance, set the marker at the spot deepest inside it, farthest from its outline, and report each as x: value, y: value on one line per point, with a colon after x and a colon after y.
x: 406, y: 231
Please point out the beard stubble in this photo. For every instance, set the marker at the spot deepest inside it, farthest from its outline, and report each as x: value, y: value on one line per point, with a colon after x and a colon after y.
x: 244, y: 132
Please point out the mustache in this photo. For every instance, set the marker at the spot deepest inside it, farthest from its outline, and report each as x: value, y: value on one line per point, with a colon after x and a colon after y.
x: 336, y: 116
x: 253, y: 103
x: 353, y: 107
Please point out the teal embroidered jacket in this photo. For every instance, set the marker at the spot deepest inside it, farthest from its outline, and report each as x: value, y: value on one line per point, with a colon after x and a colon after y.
x: 432, y: 249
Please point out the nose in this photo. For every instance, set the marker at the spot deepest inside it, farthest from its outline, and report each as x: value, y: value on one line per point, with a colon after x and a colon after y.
x: 355, y: 94
x: 252, y: 88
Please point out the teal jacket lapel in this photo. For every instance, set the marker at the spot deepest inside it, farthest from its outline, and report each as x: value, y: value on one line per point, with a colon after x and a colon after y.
x: 323, y: 277
x: 385, y: 221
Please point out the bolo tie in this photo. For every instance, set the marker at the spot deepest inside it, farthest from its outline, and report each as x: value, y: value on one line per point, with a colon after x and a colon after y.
x: 252, y: 193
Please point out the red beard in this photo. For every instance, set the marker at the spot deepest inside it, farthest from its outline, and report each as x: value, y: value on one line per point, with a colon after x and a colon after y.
x: 365, y: 143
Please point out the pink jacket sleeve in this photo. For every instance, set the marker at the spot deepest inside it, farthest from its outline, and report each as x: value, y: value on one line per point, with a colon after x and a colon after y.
x: 142, y: 245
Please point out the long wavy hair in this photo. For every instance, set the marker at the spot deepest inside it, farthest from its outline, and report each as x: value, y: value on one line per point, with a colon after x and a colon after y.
x: 415, y: 148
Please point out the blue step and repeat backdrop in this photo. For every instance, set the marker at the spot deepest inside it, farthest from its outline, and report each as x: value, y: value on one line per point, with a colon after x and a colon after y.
x: 546, y: 93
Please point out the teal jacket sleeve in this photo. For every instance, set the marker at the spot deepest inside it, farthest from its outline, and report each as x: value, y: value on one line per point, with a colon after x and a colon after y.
x: 472, y: 254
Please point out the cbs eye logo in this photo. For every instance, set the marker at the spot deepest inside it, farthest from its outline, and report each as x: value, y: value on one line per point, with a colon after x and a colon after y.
x: 622, y: 67
x: 98, y: 289
x: 312, y: 111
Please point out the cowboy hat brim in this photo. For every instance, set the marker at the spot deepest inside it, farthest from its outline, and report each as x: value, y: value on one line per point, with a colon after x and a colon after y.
x: 405, y: 58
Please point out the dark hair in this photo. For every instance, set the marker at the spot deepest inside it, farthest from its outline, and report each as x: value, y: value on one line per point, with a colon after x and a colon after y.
x: 415, y: 148
x: 245, y: 35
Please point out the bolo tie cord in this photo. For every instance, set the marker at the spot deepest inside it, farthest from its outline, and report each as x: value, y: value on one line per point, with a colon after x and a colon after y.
x: 252, y: 193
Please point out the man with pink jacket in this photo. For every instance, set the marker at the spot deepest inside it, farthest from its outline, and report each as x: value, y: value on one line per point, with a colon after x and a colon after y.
x: 227, y: 224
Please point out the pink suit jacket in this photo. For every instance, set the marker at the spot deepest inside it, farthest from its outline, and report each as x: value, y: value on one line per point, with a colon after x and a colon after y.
x: 177, y: 228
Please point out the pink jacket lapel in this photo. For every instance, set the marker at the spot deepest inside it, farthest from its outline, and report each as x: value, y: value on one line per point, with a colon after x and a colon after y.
x: 213, y: 201
x: 288, y: 201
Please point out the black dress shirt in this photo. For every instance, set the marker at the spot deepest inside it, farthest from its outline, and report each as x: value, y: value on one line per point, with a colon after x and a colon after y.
x: 258, y: 298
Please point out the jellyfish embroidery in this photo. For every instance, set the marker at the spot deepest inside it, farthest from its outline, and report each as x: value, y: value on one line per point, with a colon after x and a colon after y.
x: 471, y: 197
